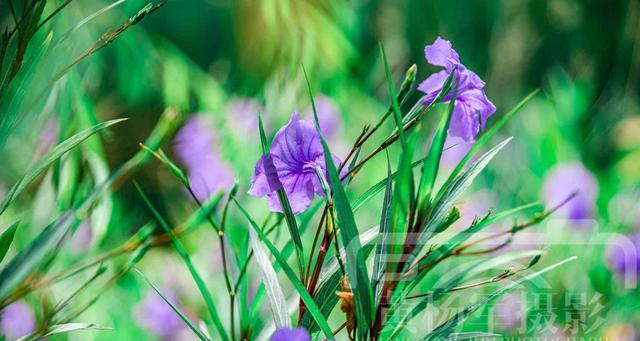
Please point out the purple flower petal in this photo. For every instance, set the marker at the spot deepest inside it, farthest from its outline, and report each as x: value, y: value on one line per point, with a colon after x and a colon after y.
x: 288, y: 334
x: 16, y: 320
x: 295, y: 158
x: 565, y: 179
x: 440, y: 53
x: 154, y: 314
x: 195, y: 145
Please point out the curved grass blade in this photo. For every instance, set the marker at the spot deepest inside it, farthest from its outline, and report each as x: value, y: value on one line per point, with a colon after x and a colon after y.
x: 356, y: 267
x: 64, y: 328
x: 380, y: 260
x: 272, y: 287
x: 32, y: 256
x: 182, y: 316
x: 451, y: 282
x: 50, y: 158
x: 484, y: 138
x: 202, y: 287
x: 397, y: 114
x: 312, y: 307
x: 6, y: 239
x: 446, y: 329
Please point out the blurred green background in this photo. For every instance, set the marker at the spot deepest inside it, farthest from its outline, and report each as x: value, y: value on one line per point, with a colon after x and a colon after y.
x: 202, y: 56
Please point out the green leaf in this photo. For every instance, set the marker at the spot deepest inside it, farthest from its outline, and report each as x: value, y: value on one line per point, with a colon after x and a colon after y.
x: 380, y: 257
x: 432, y: 161
x: 173, y: 168
x: 312, y: 307
x: 484, y: 138
x: 451, y: 281
x: 444, y: 204
x: 444, y: 330
x: 471, y: 336
x: 63, y: 328
x: 50, y: 158
x: 284, y: 201
x: 6, y: 239
x: 34, y: 254
x: 182, y: 316
x: 202, y: 287
x: 356, y: 267
x: 272, y: 286
x: 397, y: 114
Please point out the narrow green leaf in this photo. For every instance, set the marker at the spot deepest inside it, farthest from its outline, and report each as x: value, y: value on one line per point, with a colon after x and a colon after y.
x: 380, y: 257
x: 432, y: 162
x: 355, y: 261
x: 34, y: 254
x: 50, y: 158
x: 312, y: 307
x: 202, y: 287
x: 397, y: 114
x: 444, y: 330
x: 63, y: 328
x: 6, y: 239
x: 484, y: 138
x: 182, y: 316
x: 272, y: 286
x: 471, y: 336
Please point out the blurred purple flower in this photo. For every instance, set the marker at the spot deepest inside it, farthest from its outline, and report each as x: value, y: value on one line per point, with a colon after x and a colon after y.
x: 244, y: 115
x: 623, y: 256
x: 328, y: 116
x: 16, y: 320
x: 83, y: 236
x: 295, y: 157
x: 48, y: 137
x: 195, y: 145
x: 510, y: 310
x: 476, y: 205
x: 472, y: 107
x: 154, y: 314
x: 288, y: 334
x: 565, y: 179
x: 455, y: 149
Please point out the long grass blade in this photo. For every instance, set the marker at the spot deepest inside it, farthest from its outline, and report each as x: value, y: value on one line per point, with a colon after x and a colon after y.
x: 311, y: 305
x: 6, y: 239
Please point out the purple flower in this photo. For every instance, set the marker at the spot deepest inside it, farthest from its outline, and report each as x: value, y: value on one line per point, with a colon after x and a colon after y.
x: 288, y: 334
x: 623, y: 256
x: 243, y: 114
x: 510, y: 310
x: 472, y: 107
x: 565, y: 179
x: 83, y: 236
x: 328, y: 116
x: 195, y: 144
x: 294, y: 161
x: 16, y: 320
x: 154, y: 314
x: 48, y: 137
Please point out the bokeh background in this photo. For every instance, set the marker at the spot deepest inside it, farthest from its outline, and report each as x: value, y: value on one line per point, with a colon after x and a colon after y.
x: 228, y: 60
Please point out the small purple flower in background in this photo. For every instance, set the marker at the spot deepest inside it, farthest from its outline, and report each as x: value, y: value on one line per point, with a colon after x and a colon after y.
x: 623, y: 257
x: 510, y: 310
x: 48, y: 137
x: 243, y: 114
x: 288, y: 334
x: 295, y: 157
x: 455, y: 149
x: 472, y: 107
x: 155, y: 315
x: 81, y: 240
x: 565, y: 179
x: 328, y: 116
x: 16, y: 320
x: 195, y: 145
x: 476, y: 205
